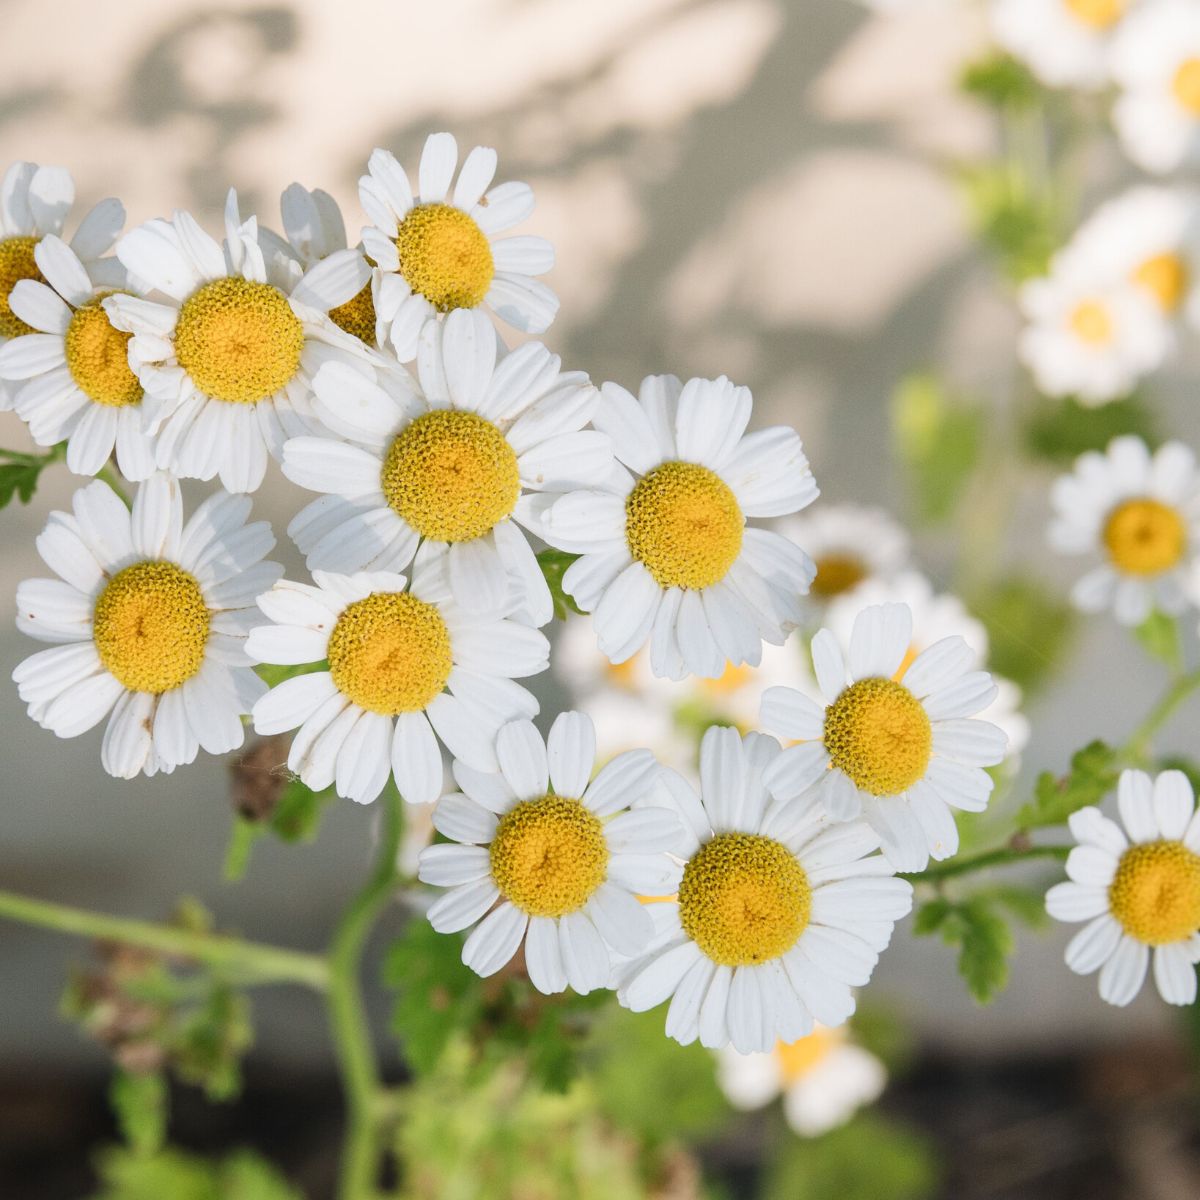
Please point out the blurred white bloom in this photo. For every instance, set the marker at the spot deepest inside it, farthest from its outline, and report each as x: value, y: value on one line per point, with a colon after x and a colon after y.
x: 1065, y: 43
x: 1138, y: 889
x: 1141, y: 513
x: 824, y: 1079
x: 1156, y: 64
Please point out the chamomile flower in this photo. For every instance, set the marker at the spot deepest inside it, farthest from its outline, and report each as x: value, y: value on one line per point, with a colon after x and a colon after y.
x: 554, y: 858
x: 666, y: 554
x: 1141, y: 514
x: 1065, y: 43
x: 437, y: 250
x: 778, y: 913
x: 1138, y: 889
x: 459, y: 465
x: 151, y: 615
x: 228, y: 353
x: 407, y: 667
x: 824, y: 1079
x: 899, y: 750
x: 1156, y: 65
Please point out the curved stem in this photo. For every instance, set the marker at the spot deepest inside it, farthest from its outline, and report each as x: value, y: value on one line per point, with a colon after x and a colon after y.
x: 348, y: 1021
x: 1138, y: 744
x: 1000, y: 857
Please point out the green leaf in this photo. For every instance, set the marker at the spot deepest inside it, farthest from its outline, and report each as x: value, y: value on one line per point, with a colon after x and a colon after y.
x: 983, y: 938
x: 176, y: 1175
x: 554, y: 564
x: 272, y: 674
x: 1093, y: 774
x: 1159, y: 636
x: 19, y: 472
x: 1059, y: 431
x: 210, y: 1041
x: 1013, y: 217
x: 139, y: 1103
x: 1001, y: 81
x: 1026, y: 904
x: 1029, y: 631
x: 931, y: 916
x: 297, y: 816
x: 242, y: 837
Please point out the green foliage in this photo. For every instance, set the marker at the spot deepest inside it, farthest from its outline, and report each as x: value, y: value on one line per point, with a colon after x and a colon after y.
x: 210, y: 1041
x: 1159, y: 636
x: 273, y: 674
x: 19, y: 472
x: 982, y: 935
x: 140, y: 1104
x: 1029, y: 631
x: 1093, y: 774
x: 296, y: 817
x: 1014, y: 218
x: 174, y: 1175
x: 869, y: 1158
x: 554, y: 564
x: 1059, y: 431
x: 938, y: 439
x: 1002, y: 82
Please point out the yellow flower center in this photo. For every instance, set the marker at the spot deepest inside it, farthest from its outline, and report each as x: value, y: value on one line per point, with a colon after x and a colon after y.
x: 451, y: 475
x: 1165, y: 277
x: 445, y: 256
x: 357, y: 315
x: 390, y: 653
x: 1145, y: 537
x: 837, y: 573
x: 1155, y: 893
x: 97, y: 356
x: 150, y: 626
x: 1099, y: 14
x: 16, y: 263
x: 744, y: 899
x: 549, y: 855
x: 1091, y: 322
x: 683, y: 523
x: 797, y: 1059
x: 878, y: 733
x: 1186, y: 85
x: 728, y: 682
x: 622, y: 675
x: 238, y: 340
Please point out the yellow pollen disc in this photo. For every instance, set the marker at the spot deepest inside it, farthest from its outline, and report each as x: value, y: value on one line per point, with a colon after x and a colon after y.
x: 622, y: 675
x: 1098, y: 14
x: 238, y: 340
x: 16, y: 263
x: 390, y: 653
x: 728, y: 682
x: 1145, y: 537
x: 878, y: 733
x: 549, y: 855
x: 445, y: 256
x: 1186, y: 85
x: 683, y: 523
x: 1155, y: 893
x: 451, y: 475
x: 837, y: 573
x: 744, y: 899
x: 97, y: 356
x: 797, y: 1059
x: 1165, y: 277
x: 150, y: 626
x: 357, y: 315
x: 1091, y: 322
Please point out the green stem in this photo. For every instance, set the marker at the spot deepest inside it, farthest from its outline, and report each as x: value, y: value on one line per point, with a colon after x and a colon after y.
x: 251, y: 962
x: 1137, y: 746
x: 1000, y: 857
x: 348, y: 1022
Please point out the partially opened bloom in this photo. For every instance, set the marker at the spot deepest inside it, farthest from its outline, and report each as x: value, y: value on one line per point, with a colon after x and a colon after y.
x: 406, y: 667
x: 550, y: 858
x: 1065, y: 43
x: 436, y: 249
x: 152, y: 616
x: 1141, y: 514
x: 228, y: 349
x: 899, y: 749
x: 458, y: 464
x: 1138, y: 889
x: 824, y: 1079
x: 778, y: 914
x: 666, y: 553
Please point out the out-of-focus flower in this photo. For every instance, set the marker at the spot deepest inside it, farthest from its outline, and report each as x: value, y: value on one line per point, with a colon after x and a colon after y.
x: 824, y: 1079
x: 1065, y: 43
x: 1141, y: 514
x: 1137, y: 888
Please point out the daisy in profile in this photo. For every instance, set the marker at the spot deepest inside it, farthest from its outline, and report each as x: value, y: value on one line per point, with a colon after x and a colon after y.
x: 437, y: 248
x: 227, y: 353
x: 666, y: 554
x: 150, y: 617
x: 778, y: 914
x: 824, y: 1079
x: 901, y: 750
x: 1140, y: 513
x: 407, y: 668
x: 1156, y: 65
x: 1065, y: 43
x: 459, y: 465
x: 543, y: 855
x: 1138, y: 889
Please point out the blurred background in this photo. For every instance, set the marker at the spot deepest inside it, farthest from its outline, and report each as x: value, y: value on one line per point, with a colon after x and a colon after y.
x: 762, y: 188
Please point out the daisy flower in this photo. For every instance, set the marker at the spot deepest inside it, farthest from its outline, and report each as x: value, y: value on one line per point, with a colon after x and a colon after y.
x: 1156, y: 65
x: 778, y: 914
x: 436, y: 250
x: 901, y: 751
x: 459, y: 465
x: 824, y: 1079
x: 553, y: 860
x: 1141, y: 514
x: 407, y: 666
x: 1138, y: 889
x: 228, y: 353
x: 151, y: 616
x: 666, y: 555
x: 1065, y: 43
